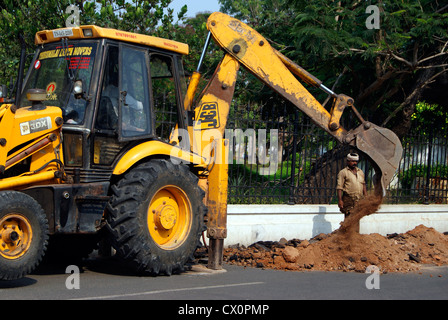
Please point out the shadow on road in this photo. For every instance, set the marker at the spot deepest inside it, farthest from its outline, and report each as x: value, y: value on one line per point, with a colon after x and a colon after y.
x: 23, y: 282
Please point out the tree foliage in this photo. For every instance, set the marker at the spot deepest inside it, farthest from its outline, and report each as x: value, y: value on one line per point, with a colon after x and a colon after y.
x: 387, y: 70
x: 27, y: 17
x: 430, y: 118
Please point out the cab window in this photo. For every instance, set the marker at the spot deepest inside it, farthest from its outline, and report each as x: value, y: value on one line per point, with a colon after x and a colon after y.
x: 164, y: 92
x: 134, y: 93
x: 123, y: 112
x: 55, y: 69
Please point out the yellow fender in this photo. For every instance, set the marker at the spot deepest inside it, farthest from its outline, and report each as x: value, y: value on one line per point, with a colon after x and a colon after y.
x: 156, y: 148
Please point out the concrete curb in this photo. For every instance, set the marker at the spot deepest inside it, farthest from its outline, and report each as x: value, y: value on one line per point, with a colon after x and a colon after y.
x: 247, y: 224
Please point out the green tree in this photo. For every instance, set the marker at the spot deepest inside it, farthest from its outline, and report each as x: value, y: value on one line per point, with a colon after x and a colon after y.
x: 27, y: 17
x: 430, y: 118
x: 386, y: 70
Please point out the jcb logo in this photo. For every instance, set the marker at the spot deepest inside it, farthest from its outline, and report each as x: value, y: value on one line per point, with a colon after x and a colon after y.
x: 209, y: 115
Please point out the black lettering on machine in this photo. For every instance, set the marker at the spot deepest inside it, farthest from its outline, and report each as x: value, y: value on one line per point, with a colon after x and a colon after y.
x: 209, y: 115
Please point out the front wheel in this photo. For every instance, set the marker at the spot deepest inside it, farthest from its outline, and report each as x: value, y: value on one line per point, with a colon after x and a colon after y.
x: 23, y: 234
x: 156, y: 217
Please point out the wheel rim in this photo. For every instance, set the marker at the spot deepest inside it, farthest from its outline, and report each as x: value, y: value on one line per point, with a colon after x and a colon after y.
x: 15, y: 236
x: 169, y: 217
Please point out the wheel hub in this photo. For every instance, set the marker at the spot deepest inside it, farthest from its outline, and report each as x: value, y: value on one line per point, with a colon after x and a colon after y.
x: 15, y: 236
x: 166, y: 217
x: 169, y: 217
x: 9, y: 236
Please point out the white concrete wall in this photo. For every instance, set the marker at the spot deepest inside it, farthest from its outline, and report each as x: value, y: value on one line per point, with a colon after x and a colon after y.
x: 247, y: 224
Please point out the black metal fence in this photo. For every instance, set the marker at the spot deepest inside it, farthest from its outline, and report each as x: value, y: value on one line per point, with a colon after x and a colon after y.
x: 280, y: 157
x: 423, y: 173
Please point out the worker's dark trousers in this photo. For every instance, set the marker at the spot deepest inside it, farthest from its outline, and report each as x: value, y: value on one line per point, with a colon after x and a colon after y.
x: 349, y: 204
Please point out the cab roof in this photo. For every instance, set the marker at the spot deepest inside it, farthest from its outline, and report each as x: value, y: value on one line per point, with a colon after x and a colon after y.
x: 93, y: 32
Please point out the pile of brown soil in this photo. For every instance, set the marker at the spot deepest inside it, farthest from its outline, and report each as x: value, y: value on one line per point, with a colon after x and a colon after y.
x: 347, y: 250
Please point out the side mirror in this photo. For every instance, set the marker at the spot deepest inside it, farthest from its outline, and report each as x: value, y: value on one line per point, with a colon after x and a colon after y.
x: 3, y: 91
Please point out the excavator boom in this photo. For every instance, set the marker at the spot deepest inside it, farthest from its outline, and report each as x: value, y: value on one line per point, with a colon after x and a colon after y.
x: 245, y: 46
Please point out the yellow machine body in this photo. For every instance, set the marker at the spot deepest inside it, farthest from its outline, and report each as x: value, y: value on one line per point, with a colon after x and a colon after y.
x: 80, y: 199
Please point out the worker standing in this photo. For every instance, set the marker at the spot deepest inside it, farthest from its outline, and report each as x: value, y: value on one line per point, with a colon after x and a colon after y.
x: 351, y: 186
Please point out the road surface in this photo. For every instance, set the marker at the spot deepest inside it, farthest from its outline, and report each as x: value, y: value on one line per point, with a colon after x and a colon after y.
x: 108, y: 280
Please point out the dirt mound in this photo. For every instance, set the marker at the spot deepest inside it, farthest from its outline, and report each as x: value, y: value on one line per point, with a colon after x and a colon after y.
x: 347, y: 250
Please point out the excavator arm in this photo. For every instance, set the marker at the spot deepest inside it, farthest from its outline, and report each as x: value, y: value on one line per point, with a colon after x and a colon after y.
x: 245, y: 46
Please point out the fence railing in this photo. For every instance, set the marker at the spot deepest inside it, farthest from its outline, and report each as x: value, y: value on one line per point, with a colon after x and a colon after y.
x: 423, y: 173
x: 303, y: 162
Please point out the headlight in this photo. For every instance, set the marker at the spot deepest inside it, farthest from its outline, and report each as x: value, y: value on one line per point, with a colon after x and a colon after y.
x: 77, y: 88
x: 87, y: 32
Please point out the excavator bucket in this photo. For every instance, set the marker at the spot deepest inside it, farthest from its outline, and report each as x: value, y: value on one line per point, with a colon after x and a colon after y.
x: 383, y: 148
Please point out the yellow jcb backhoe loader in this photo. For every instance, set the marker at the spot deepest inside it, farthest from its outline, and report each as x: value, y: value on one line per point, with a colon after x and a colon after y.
x: 96, y: 142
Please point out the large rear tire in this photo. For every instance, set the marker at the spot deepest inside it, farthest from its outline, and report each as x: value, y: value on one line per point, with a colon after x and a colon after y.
x: 156, y: 217
x: 23, y: 234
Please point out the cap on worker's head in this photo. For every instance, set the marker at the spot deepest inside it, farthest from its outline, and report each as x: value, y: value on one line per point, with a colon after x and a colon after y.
x: 353, y: 157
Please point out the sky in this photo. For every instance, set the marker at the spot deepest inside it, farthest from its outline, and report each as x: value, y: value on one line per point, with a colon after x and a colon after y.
x: 194, y: 6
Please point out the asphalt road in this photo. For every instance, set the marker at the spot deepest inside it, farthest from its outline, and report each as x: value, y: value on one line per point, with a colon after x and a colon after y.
x: 107, y: 280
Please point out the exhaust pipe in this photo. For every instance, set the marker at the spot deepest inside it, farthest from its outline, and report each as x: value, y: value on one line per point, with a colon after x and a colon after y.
x: 21, y: 68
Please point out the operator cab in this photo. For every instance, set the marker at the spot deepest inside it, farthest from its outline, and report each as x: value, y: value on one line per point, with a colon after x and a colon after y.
x: 114, y: 88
